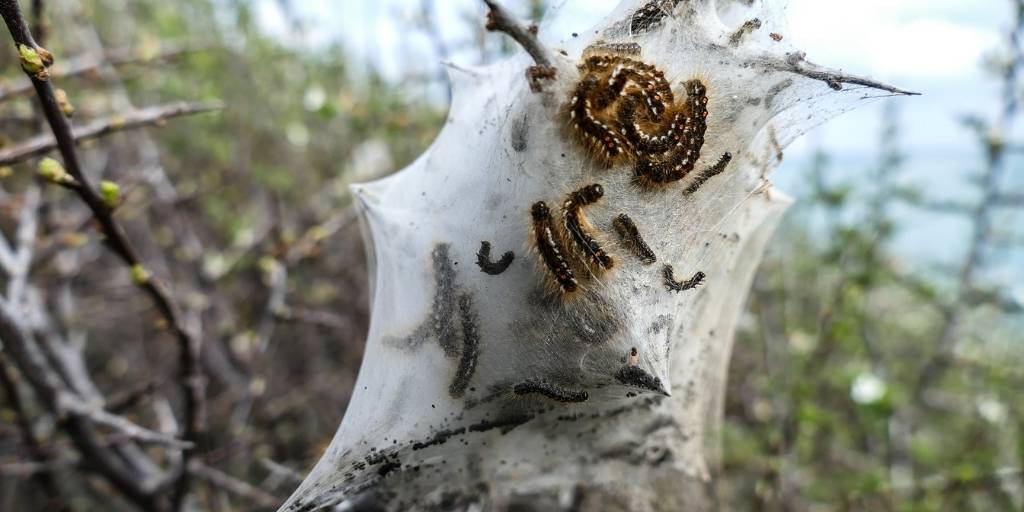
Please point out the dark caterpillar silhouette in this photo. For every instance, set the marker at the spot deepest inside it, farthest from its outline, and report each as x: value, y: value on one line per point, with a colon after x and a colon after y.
x: 646, y: 18
x: 470, y: 347
x: 535, y: 386
x: 578, y: 229
x: 551, y: 250
x: 709, y: 173
x: 630, y: 237
x: 483, y: 260
x: 624, y: 110
x: 679, y: 286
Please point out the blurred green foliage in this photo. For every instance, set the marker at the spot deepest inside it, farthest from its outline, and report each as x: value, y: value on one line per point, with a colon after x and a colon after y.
x: 841, y: 396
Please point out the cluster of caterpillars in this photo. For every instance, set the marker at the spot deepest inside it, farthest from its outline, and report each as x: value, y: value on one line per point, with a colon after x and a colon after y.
x: 623, y: 111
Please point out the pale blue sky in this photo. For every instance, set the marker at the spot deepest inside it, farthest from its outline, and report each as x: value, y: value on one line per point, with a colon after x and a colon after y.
x: 932, y: 46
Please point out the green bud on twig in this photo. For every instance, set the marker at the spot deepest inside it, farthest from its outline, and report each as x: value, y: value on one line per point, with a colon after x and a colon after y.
x: 52, y: 171
x: 139, y: 274
x: 64, y: 102
x: 32, y: 61
x: 111, y: 194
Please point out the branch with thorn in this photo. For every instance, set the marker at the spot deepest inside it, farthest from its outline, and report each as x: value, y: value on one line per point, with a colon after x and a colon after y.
x: 499, y: 20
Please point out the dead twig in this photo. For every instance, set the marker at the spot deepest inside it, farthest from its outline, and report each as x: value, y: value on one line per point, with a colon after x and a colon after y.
x: 797, y: 63
x: 499, y: 20
x: 151, y: 116
x: 224, y: 481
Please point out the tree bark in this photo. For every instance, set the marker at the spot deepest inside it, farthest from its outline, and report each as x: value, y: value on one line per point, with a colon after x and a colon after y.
x: 494, y: 388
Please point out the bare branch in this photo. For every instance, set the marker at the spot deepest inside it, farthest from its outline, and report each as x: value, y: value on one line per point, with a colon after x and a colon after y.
x: 233, y: 485
x: 20, y: 347
x: 1010, y: 200
x: 41, y: 454
x: 797, y: 63
x: 499, y: 20
x: 314, y: 317
x: 281, y: 470
x: 25, y: 239
x: 72, y: 405
x: 157, y: 115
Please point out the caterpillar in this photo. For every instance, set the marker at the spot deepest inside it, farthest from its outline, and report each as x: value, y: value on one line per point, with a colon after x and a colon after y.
x: 550, y: 248
x: 637, y: 377
x: 578, y: 229
x: 443, y: 308
x: 540, y: 387
x: 648, y: 17
x: 678, y: 286
x: 483, y: 260
x: 470, y: 347
x: 709, y: 173
x: 630, y: 237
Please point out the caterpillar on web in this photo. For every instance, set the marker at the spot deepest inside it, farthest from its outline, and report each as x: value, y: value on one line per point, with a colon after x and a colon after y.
x: 551, y: 250
x: 624, y: 110
x: 679, y: 286
x: 630, y: 237
x: 579, y: 230
x: 546, y: 389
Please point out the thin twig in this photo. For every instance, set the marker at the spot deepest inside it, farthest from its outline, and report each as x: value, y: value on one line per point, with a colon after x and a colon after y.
x: 41, y: 144
x: 89, y: 64
x: 797, y: 63
x: 40, y: 453
x: 224, y: 481
x: 74, y: 406
x: 499, y: 20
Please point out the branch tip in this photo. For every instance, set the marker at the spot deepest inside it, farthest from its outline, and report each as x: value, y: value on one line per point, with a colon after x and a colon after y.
x: 499, y: 20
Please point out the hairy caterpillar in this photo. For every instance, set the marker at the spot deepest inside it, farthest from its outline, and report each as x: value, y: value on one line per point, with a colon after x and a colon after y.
x: 578, y: 229
x: 550, y: 248
x: 623, y: 109
x: 540, y: 387
x: 709, y: 173
x: 678, y: 286
x: 647, y: 17
x: 630, y: 236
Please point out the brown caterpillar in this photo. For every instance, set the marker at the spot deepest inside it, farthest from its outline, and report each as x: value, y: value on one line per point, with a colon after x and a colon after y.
x: 678, y: 286
x: 578, y: 229
x: 630, y: 236
x: 550, y: 248
x: 548, y: 390
x: 623, y: 109
x: 648, y: 17
x: 709, y: 173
